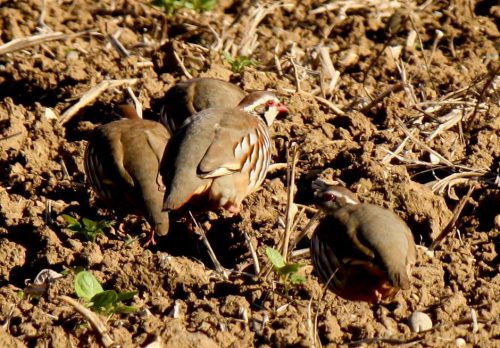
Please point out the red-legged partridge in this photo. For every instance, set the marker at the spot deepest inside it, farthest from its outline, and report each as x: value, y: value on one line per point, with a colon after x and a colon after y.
x: 219, y: 156
x: 121, y: 163
x: 186, y: 98
x: 364, y: 252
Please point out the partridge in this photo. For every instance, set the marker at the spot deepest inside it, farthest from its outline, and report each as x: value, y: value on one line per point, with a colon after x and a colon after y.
x: 362, y: 251
x: 186, y: 98
x: 220, y: 155
x: 121, y: 163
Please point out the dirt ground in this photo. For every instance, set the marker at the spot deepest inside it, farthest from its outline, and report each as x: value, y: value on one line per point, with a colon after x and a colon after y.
x: 399, y: 99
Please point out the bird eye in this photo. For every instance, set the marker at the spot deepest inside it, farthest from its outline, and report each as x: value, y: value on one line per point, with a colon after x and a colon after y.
x: 327, y: 196
x: 270, y: 103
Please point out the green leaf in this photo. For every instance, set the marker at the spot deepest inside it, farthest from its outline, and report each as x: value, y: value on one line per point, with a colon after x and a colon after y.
x: 290, y: 268
x: 104, y: 224
x: 89, y: 225
x: 297, y: 279
x: 127, y: 295
x: 70, y: 220
x: 87, y: 286
x: 104, y: 299
x: 122, y: 309
x: 275, y: 257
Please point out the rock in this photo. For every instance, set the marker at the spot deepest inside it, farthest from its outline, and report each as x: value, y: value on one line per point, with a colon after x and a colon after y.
x: 419, y: 321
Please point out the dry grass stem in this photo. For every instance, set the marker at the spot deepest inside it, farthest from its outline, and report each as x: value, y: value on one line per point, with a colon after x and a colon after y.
x: 475, y: 325
x: 453, y: 221
x: 182, y: 66
x: 277, y: 61
x: 328, y: 69
x: 297, y: 220
x: 95, y: 322
x: 307, y: 208
x: 387, y: 159
x: 11, y: 136
x: 393, y: 89
x: 218, y: 267
x: 449, y: 120
x: 311, y: 225
x: 493, y: 75
x: 306, y: 252
x: 291, y: 208
x: 408, y: 88
x: 92, y: 95
x: 383, y: 8
x: 250, y: 39
x: 25, y: 42
x: 422, y: 144
x: 439, y: 36
x: 256, y: 264
x: 295, y: 74
x: 8, y: 317
x: 426, y: 62
x: 329, y: 104
x: 311, y: 332
x: 117, y: 45
x: 454, y: 179
x: 137, y: 103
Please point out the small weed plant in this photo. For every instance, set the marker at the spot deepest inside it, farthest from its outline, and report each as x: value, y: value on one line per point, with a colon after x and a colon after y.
x: 106, y: 302
x: 90, y: 229
x: 287, y: 272
x: 238, y: 63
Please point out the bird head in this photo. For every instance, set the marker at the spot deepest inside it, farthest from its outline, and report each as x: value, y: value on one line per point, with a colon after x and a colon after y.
x: 263, y: 103
x: 331, y: 196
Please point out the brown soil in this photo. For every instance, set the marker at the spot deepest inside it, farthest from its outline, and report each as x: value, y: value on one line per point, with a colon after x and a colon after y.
x: 41, y: 163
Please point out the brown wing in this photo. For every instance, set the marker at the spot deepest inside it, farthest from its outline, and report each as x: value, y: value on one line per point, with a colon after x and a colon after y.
x: 389, y: 238
x: 211, y: 144
x: 235, y: 139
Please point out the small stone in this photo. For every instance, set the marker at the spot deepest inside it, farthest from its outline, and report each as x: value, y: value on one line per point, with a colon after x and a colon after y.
x: 419, y: 322
x: 460, y: 342
x: 71, y: 55
x: 497, y: 221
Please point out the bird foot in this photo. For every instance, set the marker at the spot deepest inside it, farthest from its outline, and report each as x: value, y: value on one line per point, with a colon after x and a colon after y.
x: 120, y: 230
x: 151, y: 239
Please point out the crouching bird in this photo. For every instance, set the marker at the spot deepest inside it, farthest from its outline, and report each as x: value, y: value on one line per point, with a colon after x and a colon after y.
x: 122, y: 160
x: 186, y: 98
x: 220, y: 155
x: 362, y: 251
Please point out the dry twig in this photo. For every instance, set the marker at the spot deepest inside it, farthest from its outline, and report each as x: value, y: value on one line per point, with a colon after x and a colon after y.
x: 137, y: 103
x: 95, y: 322
x: 256, y: 264
x: 291, y: 208
x: 25, y: 42
x: 392, y: 89
x: 218, y: 267
x: 453, y: 221
x: 91, y: 95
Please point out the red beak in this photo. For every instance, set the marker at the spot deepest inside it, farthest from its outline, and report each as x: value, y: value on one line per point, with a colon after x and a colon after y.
x: 282, y: 109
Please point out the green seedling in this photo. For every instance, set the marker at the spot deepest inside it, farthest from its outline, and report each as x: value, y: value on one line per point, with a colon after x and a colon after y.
x: 238, y: 63
x: 287, y: 272
x: 90, y: 229
x: 107, y: 302
x: 171, y: 6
